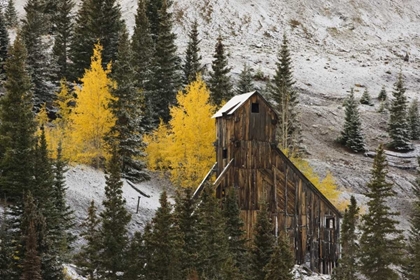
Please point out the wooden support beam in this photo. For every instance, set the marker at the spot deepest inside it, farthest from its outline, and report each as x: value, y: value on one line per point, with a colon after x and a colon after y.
x: 222, y: 174
x: 201, y: 186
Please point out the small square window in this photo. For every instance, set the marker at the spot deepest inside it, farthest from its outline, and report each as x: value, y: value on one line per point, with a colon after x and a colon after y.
x: 330, y: 223
x: 224, y: 154
x: 255, y: 108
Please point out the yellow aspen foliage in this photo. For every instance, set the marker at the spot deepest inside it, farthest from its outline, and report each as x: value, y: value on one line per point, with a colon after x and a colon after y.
x: 56, y: 130
x: 63, y: 101
x: 327, y: 186
x: 157, y: 158
x: 185, y: 146
x: 91, y: 118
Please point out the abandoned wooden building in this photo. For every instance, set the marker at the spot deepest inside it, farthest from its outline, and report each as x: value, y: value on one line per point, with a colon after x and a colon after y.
x: 249, y: 160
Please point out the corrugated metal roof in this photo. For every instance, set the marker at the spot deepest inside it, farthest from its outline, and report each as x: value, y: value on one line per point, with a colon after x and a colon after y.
x: 234, y: 103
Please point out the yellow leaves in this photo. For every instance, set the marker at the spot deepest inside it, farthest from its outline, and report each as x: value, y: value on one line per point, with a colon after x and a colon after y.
x: 92, y: 119
x: 185, y: 146
x: 327, y: 186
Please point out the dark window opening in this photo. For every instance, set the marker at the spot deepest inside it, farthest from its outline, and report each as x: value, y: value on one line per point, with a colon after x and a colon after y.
x: 255, y: 108
x: 224, y: 154
x: 330, y: 223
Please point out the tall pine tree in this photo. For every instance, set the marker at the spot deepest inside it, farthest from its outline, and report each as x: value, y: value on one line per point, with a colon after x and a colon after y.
x: 17, y: 126
x: 41, y: 65
x: 186, y: 218
x: 127, y: 106
x: 262, y: 244
x: 212, y: 239
x: 192, y: 65
x: 351, y: 135
x: 412, y: 267
x: 347, y: 264
x: 381, y: 243
x: 245, y: 83
x: 414, y: 120
x: 234, y: 230
x: 96, y: 21
x: 89, y: 255
x: 4, y: 45
x: 163, y: 244
x: 221, y: 88
x: 10, y: 14
x: 166, y: 79
x: 398, y: 128
x: 63, y: 35
x: 65, y: 215
x: 281, y: 261
x: 142, y: 46
x: 115, y: 219
x: 285, y: 98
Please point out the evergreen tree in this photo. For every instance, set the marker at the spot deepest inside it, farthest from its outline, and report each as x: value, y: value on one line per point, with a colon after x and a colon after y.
x: 351, y: 135
x: 89, y: 256
x: 286, y: 101
x: 64, y: 212
x: 63, y: 35
x: 220, y: 84
x: 32, y: 230
x: 192, y: 65
x: 135, y: 258
x: 4, y: 45
x: 153, y: 8
x: 412, y: 267
x: 126, y: 106
x: 262, y: 244
x: 382, y: 94
x: 17, y: 126
x: 40, y: 63
x: 115, y: 219
x: 10, y: 14
x: 96, y: 21
x: 347, y: 265
x: 165, y: 80
x: 281, y: 261
x: 381, y: 243
x: 234, y: 230
x: 142, y: 46
x: 6, y: 249
x: 212, y: 239
x: 365, y: 99
x: 163, y: 244
x: 186, y: 218
x: 414, y: 120
x: 143, y: 49
x: 398, y: 127
x: 32, y: 262
x: 245, y: 83
x: 44, y: 195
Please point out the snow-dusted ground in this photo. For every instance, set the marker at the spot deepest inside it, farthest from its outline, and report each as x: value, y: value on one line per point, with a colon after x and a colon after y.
x: 86, y: 184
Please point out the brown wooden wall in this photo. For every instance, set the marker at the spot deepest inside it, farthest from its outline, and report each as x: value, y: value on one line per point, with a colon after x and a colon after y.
x: 260, y: 171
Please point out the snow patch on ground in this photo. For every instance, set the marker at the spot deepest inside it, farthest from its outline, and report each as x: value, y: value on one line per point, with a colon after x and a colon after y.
x: 86, y: 183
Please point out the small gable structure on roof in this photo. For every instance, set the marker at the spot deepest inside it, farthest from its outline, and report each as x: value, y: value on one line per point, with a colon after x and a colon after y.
x: 249, y: 160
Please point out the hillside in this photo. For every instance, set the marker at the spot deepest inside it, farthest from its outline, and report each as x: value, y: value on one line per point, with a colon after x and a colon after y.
x: 335, y: 45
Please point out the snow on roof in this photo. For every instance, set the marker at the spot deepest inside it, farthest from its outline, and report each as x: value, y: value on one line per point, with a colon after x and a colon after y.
x: 230, y: 107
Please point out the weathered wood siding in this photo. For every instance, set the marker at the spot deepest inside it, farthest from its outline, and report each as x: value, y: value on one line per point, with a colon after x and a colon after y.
x: 260, y: 171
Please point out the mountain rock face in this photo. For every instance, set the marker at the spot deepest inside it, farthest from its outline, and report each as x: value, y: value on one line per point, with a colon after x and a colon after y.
x: 335, y: 45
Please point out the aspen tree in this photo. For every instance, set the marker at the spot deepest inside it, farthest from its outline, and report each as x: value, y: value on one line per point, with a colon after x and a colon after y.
x: 186, y: 145
x: 92, y: 118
